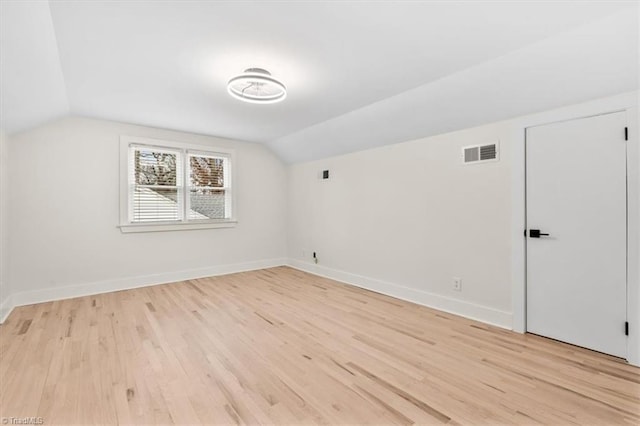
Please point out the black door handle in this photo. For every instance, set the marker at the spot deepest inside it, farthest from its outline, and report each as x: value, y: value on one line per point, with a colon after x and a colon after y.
x: 535, y: 233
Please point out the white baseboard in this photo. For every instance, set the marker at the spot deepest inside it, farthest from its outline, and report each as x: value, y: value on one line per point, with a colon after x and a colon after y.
x: 5, y: 308
x: 57, y: 293
x: 454, y: 306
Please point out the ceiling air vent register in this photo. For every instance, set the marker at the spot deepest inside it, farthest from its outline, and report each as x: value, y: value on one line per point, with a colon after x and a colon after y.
x: 480, y: 153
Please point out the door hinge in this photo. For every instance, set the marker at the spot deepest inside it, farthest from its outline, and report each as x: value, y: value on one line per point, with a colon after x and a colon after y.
x: 626, y: 133
x: 626, y: 328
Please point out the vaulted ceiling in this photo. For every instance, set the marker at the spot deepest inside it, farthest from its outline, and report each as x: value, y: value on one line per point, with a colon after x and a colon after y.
x: 359, y: 74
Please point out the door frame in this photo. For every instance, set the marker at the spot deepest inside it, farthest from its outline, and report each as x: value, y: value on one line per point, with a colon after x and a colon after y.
x: 626, y: 209
x: 627, y: 102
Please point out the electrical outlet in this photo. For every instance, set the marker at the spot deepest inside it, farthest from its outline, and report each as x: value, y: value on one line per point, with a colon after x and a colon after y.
x: 457, y: 284
x: 304, y: 253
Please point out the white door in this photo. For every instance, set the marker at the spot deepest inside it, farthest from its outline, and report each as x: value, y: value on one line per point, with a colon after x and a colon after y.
x: 576, y: 193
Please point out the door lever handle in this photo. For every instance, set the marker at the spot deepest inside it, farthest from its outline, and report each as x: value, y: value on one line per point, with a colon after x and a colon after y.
x: 535, y: 233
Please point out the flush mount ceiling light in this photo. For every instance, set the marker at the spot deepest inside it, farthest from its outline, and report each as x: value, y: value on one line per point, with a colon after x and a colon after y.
x: 256, y: 85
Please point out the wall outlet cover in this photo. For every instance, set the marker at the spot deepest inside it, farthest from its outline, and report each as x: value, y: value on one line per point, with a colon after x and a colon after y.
x: 457, y: 284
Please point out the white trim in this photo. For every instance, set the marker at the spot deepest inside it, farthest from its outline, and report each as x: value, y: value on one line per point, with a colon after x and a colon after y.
x: 626, y: 101
x: 186, y: 149
x: 633, y: 236
x: 165, y: 143
x: 5, y: 308
x: 458, y: 307
x: 107, y: 286
x: 178, y: 226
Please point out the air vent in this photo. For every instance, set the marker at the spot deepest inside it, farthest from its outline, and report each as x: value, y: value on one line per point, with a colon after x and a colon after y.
x: 480, y: 153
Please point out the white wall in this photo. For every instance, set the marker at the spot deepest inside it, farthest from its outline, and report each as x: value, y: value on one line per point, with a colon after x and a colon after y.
x: 5, y: 291
x: 406, y: 218
x: 409, y: 217
x: 64, y: 212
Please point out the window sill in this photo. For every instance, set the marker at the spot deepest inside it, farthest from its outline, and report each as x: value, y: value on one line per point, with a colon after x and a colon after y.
x: 162, y: 227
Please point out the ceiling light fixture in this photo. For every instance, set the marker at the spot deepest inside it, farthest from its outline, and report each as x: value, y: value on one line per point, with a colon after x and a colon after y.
x: 256, y: 85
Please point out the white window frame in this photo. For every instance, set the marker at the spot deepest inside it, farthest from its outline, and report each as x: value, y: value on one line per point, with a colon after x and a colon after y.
x: 126, y: 225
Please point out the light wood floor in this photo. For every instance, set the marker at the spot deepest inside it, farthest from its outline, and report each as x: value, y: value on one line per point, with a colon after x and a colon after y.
x: 281, y: 346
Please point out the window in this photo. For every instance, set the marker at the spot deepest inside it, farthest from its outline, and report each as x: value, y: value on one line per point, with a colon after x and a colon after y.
x: 174, y: 186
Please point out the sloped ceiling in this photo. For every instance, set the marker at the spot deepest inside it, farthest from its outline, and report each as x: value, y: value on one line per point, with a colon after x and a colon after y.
x: 359, y: 74
x: 31, y: 81
x: 588, y: 62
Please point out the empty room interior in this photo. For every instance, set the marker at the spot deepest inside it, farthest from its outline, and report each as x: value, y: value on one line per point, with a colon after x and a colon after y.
x: 319, y: 212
